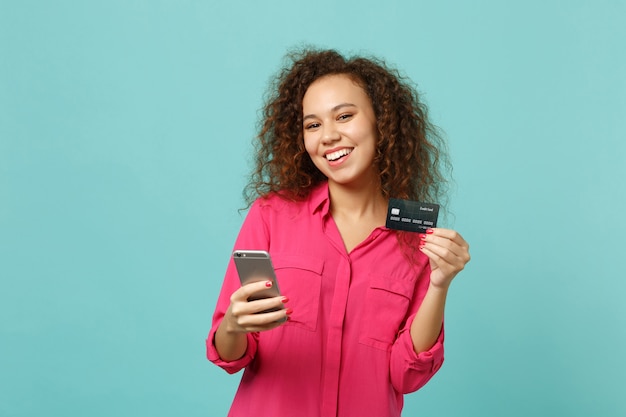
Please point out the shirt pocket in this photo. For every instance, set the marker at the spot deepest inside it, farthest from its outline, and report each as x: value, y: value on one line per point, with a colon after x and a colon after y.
x: 300, y: 279
x: 386, y: 306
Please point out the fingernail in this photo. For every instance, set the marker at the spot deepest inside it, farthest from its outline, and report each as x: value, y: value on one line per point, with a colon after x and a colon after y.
x: 421, y: 246
x: 430, y: 231
x: 268, y: 284
x: 284, y: 300
x: 422, y: 236
x: 288, y: 311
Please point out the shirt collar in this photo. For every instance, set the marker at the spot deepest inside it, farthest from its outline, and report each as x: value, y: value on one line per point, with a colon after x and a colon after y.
x: 319, y: 200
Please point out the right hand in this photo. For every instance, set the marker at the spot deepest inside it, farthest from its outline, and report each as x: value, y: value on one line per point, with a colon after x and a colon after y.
x: 245, y: 316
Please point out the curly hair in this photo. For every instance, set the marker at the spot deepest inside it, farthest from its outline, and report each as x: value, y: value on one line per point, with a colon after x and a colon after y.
x: 411, y: 155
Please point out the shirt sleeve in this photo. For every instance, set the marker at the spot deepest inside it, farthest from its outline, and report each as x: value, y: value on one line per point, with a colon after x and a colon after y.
x: 410, y: 371
x: 253, y: 235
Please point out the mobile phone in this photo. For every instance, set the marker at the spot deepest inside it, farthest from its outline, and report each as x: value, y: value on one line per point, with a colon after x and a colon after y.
x: 254, y: 266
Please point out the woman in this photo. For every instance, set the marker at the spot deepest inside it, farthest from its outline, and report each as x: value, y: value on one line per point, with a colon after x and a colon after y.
x: 364, y: 304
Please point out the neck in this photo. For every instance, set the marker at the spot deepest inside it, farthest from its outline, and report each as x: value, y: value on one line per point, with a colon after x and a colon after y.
x: 357, y: 202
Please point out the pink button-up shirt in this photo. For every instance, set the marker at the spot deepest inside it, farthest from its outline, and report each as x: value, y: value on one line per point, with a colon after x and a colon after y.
x: 346, y: 350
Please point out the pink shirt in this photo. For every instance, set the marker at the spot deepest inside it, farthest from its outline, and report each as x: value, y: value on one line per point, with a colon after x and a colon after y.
x: 346, y: 350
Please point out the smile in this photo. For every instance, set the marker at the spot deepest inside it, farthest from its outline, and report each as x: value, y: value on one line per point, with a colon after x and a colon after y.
x: 333, y: 156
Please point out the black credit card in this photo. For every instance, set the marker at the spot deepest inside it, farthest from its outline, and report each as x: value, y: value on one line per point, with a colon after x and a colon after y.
x: 411, y: 216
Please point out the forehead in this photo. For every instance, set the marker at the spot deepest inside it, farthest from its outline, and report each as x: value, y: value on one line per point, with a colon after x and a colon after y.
x: 331, y: 90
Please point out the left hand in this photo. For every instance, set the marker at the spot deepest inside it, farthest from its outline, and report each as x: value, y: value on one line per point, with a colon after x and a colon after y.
x: 448, y: 253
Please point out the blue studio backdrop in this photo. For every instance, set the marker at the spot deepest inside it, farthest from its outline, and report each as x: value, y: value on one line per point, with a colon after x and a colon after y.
x: 125, y: 132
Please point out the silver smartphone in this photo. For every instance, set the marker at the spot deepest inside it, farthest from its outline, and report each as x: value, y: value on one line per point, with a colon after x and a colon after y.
x: 253, y: 266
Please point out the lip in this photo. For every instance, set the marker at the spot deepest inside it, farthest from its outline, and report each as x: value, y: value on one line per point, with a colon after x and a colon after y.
x: 337, y: 149
x: 342, y: 159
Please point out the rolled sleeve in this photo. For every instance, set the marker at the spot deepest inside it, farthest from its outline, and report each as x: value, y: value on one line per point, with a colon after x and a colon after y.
x: 411, y: 371
x: 231, y: 366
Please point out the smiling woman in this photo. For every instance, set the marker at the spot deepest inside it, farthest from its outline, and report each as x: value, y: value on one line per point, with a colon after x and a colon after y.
x: 340, y: 132
x: 364, y: 315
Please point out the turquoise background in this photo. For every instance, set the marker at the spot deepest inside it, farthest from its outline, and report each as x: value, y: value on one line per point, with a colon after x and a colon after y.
x: 125, y: 131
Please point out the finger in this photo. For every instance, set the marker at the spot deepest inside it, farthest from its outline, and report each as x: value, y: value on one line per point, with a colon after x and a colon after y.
x: 449, y: 239
x: 265, y: 304
x: 245, y: 291
x: 245, y: 307
x: 444, y: 243
x: 449, y: 234
x: 441, y: 255
x: 263, y: 321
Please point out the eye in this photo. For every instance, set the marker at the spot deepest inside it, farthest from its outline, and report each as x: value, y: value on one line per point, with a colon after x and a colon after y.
x: 311, y: 126
x: 345, y: 116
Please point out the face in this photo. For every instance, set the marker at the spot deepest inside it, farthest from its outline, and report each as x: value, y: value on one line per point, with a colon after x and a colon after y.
x: 340, y: 131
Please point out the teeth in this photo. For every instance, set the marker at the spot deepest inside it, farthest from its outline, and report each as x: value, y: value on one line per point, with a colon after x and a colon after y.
x: 336, y: 155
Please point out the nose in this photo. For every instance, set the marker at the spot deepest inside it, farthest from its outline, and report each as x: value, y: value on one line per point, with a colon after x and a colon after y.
x: 330, y: 134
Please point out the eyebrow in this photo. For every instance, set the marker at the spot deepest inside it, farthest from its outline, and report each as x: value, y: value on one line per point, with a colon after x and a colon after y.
x: 334, y: 109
